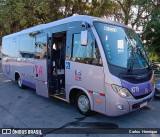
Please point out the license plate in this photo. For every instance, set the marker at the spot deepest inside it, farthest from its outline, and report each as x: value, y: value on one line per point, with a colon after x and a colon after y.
x: 143, y: 104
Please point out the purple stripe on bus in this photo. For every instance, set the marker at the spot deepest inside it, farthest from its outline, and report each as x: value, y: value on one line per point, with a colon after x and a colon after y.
x: 29, y: 84
x: 137, y: 89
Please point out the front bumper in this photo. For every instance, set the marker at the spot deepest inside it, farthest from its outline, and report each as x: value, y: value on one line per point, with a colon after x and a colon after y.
x: 113, y: 100
x: 139, y: 103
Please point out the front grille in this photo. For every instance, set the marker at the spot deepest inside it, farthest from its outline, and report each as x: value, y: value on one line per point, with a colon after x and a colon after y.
x: 137, y: 106
x: 142, y: 96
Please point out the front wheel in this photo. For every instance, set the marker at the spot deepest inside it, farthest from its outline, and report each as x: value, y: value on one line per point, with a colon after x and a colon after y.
x: 83, y: 104
x: 19, y: 81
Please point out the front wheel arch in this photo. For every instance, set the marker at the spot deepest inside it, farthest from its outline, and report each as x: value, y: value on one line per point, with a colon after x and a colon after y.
x: 73, y: 94
x: 17, y: 75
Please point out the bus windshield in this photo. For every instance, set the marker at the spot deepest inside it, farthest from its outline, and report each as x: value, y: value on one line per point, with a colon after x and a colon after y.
x: 122, y: 46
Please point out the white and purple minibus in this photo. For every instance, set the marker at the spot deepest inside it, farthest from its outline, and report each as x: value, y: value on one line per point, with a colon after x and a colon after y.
x: 97, y: 64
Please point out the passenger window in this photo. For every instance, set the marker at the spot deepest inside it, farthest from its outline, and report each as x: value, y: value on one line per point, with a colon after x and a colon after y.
x: 26, y: 43
x: 41, y: 46
x: 86, y: 54
x: 6, y: 46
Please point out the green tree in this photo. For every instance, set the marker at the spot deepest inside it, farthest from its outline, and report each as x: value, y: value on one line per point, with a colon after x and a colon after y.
x: 16, y: 15
x: 152, y: 32
x: 133, y: 11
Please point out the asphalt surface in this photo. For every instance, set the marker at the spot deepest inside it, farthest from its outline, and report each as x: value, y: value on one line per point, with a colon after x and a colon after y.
x: 22, y: 108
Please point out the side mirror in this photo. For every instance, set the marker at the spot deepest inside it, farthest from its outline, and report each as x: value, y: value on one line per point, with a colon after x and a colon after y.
x: 84, y: 38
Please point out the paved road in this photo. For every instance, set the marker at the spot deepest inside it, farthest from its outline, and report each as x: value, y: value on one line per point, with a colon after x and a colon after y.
x: 22, y: 108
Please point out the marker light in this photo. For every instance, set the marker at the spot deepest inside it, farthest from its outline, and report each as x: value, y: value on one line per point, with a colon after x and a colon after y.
x: 123, y: 92
x: 153, y: 82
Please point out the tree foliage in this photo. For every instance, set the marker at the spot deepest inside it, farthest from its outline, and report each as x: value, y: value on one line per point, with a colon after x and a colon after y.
x: 152, y: 32
x: 16, y: 15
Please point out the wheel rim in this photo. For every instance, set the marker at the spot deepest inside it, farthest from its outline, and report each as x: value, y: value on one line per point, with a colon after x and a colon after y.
x: 19, y: 82
x: 83, y: 103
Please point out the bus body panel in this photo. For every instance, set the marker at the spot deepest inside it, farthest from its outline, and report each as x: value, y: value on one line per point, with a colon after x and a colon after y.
x: 87, y: 76
x: 109, y: 78
x: 99, y: 101
x: 40, y: 70
x: 40, y: 75
x: 95, y: 81
x: 112, y: 100
x: 6, y: 67
x: 33, y: 73
x: 42, y: 88
x: 27, y: 67
x: 90, y: 78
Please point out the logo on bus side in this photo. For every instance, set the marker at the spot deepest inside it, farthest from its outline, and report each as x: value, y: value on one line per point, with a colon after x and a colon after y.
x: 38, y: 70
x: 78, y: 75
x: 68, y: 65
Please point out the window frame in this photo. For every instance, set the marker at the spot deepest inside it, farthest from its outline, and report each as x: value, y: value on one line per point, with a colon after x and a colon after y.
x: 93, y: 50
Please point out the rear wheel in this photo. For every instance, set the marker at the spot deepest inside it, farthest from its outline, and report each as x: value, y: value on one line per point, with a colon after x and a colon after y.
x: 83, y: 104
x: 19, y: 81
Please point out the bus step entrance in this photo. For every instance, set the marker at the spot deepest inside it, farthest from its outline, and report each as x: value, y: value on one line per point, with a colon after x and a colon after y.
x: 56, y: 85
x: 61, y: 96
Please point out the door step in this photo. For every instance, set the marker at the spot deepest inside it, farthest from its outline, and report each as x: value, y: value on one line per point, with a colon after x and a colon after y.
x: 60, y: 96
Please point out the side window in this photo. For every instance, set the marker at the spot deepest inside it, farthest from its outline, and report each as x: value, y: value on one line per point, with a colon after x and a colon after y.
x: 14, y: 47
x: 26, y: 47
x: 86, y: 54
x: 41, y: 46
x: 6, y: 46
x: 26, y: 44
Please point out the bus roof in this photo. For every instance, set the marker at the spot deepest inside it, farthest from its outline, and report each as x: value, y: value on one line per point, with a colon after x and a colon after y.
x: 88, y: 19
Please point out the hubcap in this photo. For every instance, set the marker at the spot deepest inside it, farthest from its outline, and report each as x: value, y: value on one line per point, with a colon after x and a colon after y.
x: 83, y: 103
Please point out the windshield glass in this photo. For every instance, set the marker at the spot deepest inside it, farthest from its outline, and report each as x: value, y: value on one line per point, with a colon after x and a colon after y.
x: 122, y: 46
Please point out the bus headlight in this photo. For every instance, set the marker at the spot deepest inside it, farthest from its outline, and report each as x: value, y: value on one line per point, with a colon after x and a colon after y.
x: 123, y: 92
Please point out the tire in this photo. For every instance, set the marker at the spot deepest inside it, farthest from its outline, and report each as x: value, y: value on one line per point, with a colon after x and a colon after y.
x: 83, y: 104
x: 19, y: 82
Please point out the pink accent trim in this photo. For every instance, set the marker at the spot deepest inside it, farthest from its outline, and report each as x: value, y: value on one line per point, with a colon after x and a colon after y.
x: 90, y: 92
x: 101, y: 94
